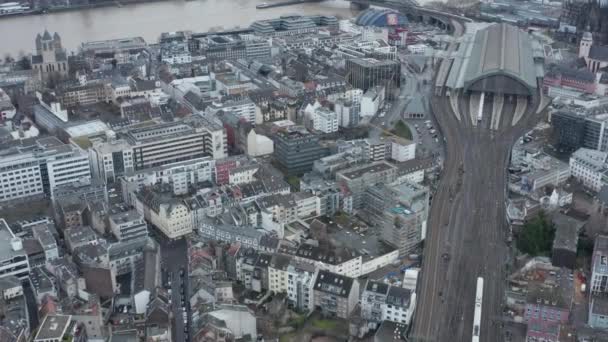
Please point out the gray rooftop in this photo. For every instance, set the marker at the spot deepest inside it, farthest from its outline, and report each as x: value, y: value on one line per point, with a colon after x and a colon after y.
x: 6, y: 249
x: 496, y: 58
x: 53, y: 327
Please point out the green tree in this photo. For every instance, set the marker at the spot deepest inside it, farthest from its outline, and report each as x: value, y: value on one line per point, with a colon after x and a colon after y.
x: 536, y: 238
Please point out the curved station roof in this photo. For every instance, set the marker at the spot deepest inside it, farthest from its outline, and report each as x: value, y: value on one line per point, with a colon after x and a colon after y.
x: 498, y: 58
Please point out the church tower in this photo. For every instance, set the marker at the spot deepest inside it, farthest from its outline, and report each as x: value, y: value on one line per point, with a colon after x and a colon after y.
x: 585, y: 45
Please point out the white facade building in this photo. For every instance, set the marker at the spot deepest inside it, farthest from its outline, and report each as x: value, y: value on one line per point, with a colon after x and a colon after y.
x: 325, y: 120
x: 402, y: 149
x: 13, y: 259
x: 258, y: 145
x: 589, y: 167
x: 7, y: 110
x: 21, y: 168
x: 128, y: 224
x: 372, y: 101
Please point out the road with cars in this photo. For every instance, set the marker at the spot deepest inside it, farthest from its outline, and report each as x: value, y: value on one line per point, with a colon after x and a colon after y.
x: 174, y: 267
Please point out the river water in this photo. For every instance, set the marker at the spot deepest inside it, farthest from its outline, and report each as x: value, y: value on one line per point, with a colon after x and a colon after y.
x: 148, y: 20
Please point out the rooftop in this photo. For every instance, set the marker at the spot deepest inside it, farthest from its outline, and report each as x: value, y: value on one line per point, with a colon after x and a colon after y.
x: 53, y: 327
x: 333, y: 283
x: 6, y: 248
x: 359, y: 171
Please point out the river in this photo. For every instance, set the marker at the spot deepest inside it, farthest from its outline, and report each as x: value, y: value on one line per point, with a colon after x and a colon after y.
x: 147, y: 20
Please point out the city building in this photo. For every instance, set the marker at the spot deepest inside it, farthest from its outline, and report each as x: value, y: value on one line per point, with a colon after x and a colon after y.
x: 55, y: 328
x: 294, y: 278
x: 228, y: 322
x: 10, y: 287
x: 598, y: 312
x: 401, y: 212
x: 7, y: 109
x: 325, y: 120
x: 50, y: 57
x: 113, y: 155
x: 595, y: 55
x: 166, y: 212
x: 174, y: 48
x: 38, y: 166
x: 365, y: 73
x: 359, y: 178
x: 373, y: 100
x: 296, y: 150
x: 335, y: 295
x: 479, y: 73
x: 599, y: 265
x: 243, y: 108
x: 127, y: 224
x: 293, y: 25
x: 381, y: 17
x: 383, y: 302
x: 589, y: 167
x: 546, y: 306
x: 568, y: 130
x: 13, y: 258
x: 232, y: 47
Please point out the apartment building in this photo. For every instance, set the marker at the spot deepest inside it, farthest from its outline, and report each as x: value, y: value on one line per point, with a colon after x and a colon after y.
x: 382, y: 302
x: 335, y: 295
x: 325, y: 120
x: 169, y: 214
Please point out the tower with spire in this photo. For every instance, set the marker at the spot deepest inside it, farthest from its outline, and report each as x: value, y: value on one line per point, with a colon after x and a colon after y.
x: 585, y: 45
x: 50, y: 58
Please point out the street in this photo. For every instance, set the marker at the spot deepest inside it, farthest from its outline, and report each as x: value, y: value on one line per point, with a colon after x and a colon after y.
x: 174, y: 265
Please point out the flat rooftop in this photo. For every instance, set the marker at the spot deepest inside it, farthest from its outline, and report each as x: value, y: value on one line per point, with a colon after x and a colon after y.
x: 53, y: 327
x: 359, y: 171
x: 6, y: 249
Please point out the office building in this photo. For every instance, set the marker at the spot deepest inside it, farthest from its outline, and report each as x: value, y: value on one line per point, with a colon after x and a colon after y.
x: 598, y: 312
x: 34, y: 167
x: 13, y: 258
x: 359, y: 178
x: 589, y: 167
x: 243, y: 109
x: 296, y: 150
x: 174, y: 48
x: 568, y: 130
x: 293, y: 25
x: 599, y: 265
x: 401, y: 212
x: 116, y: 154
x: 227, y: 47
x: 127, y: 224
x: 365, y: 73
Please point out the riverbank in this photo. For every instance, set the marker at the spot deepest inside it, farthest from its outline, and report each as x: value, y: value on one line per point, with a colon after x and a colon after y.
x: 148, y: 20
x: 285, y: 3
x: 51, y: 10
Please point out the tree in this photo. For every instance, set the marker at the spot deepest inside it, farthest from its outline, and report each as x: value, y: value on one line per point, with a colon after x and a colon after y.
x: 24, y: 63
x: 536, y: 238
